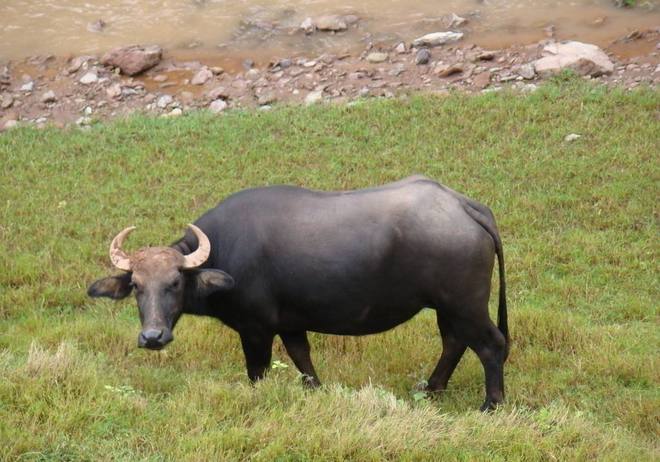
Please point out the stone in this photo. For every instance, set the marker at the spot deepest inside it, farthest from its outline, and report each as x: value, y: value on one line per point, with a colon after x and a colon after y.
x: 446, y: 70
x: 248, y: 64
x: 11, y: 123
x: 333, y: 23
x: 308, y: 26
x: 455, y: 20
x: 83, y: 121
x: 164, y: 101
x: 202, y: 76
x: 266, y: 99
x: 89, y: 78
x: 28, y: 86
x: 177, y: 111
x: 583, y: 58
x: 48, y: 97
x: 377, y: 57
x: 133, y: 59
x: 217, y: 106
x: 88, y: 110
x: 437, y: 38
x: 423, y: 56
x: 401, y: 48
x: 572, y: 137
x: 486, y: 56
x: 217, y: 70
x: 113, y: 91
x: 218, y: 93
x: 527, y: 71
x: 482, y: 80
x: 7, y: 101
x: 96, y: 26
x: 159, y: 78
x: 77, y: 63
x: 314, y: 97
x: 252, y: 74
x: 351, y: 19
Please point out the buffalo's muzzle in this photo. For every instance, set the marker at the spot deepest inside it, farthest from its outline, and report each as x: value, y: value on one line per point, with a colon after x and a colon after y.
x: 154, y: 339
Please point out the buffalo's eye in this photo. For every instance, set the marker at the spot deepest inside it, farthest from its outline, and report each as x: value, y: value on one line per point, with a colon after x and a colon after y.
x: 175, y: 284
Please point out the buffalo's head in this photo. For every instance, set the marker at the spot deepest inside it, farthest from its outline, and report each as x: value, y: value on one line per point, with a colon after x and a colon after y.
x: 163, y: 280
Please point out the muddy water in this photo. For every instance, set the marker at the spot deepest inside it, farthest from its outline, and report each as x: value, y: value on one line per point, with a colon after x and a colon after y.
x: 269, y: 28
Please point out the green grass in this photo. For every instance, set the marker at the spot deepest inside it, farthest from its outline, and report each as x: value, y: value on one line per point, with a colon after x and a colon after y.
x: 580, y: 228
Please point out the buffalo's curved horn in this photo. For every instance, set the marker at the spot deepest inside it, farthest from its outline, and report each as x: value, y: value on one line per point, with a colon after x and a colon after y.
x: 118, y: 257
x: 200, y: 255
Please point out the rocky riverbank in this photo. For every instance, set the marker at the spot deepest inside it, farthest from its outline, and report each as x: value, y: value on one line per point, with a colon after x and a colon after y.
x: 83, y: 89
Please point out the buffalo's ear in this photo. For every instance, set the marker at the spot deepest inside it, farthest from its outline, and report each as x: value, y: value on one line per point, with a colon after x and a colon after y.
x: 208, y: 281
x: 115, y: 287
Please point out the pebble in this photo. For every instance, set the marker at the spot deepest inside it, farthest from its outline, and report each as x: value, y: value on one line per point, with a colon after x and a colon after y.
x: 252, y: 74
x: 527, y: 71
x: 446, y: 70
x: 482, y: 80
x: 308, y: 26
x: 401, y: 48
x: 202, y: 76
x: 423, y: 56
x: 437, y: 38
x: 88, y: 110
x: 217, y: 106
x: 7, y: 101
x: 377, y: 57
x: 10, y: 124
x: 29, y: 86
x: 572, y: 137
x: 48, y: 97
x: 314, y: 97
x: 89, y: 78
x: 113, y: 91
x: 164, y: 101
x: 177, y: 111
x: 159, y: 78
x: 266, y: 99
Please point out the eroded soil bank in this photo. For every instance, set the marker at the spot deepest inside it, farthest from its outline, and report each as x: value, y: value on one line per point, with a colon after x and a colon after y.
x: 346, y: 63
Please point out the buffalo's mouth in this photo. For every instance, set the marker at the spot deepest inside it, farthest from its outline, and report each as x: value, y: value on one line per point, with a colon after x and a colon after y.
x: 155, y: 339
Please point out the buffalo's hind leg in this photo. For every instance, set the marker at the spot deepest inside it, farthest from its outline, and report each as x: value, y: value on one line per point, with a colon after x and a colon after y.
x: 297, y: 346
x: 486, y: 340
x: 453, y: 347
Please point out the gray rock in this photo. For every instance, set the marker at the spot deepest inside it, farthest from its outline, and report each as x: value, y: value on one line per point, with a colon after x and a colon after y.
x: 437, y: 38
x: 314, y: 97
x: 89, y: 78
x: 7, y: 101
x: 96, y: 26
x: 28, y: 86
x: 266, y: 98
x: 377, y: 57
x: 134, y: 59
x: 401, y: 48
x: 202, y: 76
x: 113, y: 91
x: 48, y: 97
x: 308, y: 26
x: 252, y: 74
x: 176, y: 112
x: 527, y: 71
x: 83, y: 121
x: 333, y: 23
x: 583, y: 58
x: 455, y: 20
x: 164, y: 101
x: 423, y: 56
x: 217, y: 106
x: 11, y: 123
x: 248, y: 64
x: 218, y: 93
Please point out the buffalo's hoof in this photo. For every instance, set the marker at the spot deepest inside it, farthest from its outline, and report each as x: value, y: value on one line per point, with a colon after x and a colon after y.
x: 310, y: 382
x: 489, y: 405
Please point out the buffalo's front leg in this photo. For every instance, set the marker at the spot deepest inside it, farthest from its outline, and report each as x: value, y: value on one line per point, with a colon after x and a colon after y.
x: 297, y: 346
x: 257, y: 347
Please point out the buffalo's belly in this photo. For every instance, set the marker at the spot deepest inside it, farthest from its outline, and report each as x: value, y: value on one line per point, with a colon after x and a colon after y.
x: 349, y: 319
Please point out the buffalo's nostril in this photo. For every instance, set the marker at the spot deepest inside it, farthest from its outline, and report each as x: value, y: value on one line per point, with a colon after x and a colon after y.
x: 152, y: 334
x: 151, y: 338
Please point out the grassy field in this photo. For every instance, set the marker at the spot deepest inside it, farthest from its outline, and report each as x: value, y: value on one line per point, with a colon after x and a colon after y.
x: 579, y: 222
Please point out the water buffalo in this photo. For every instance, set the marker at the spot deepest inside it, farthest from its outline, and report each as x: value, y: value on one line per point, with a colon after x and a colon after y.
x: 284, y: 260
